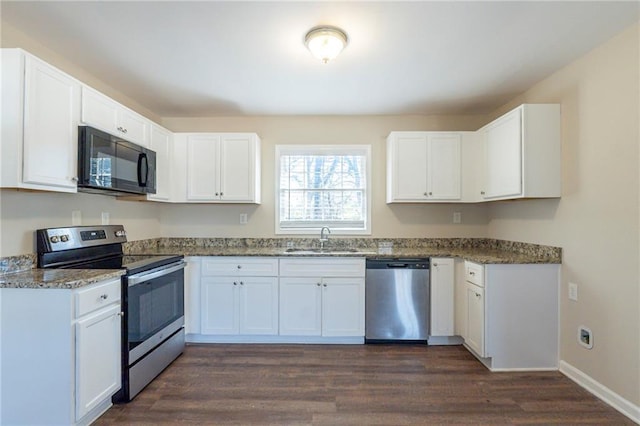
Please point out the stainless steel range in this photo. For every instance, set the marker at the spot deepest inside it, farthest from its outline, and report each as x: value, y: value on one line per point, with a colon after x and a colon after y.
x: 152, y: 296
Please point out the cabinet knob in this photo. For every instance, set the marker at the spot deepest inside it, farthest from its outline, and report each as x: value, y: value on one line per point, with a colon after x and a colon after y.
x: 104, y: 296
x: 318, y: 284
x: 324, y: 285
x: 221, y: 194
x: 235, y: 283
x: 239, y: 266
x: 478, y: 295
x: 120, y: 314
x: 425, y: 194
x: 435, y: 264
x: 430, y: 193
x: 124, y: 130
x: 481, y: 192
x: 471, y: 273
x: 74, y: 179
x: 217, y: 194
x: 241, y: 282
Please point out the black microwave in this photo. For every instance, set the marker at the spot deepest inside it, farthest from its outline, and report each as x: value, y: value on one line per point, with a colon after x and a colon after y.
x: 111, y: 165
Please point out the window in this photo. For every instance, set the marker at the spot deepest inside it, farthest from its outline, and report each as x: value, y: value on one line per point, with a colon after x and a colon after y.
x: 322, y: 186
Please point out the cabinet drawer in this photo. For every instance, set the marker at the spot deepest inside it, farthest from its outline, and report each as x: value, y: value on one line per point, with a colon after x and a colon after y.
x: 322, y: 267
x: 240, y: 266
x: 97, y: 296
x: 474, y: 273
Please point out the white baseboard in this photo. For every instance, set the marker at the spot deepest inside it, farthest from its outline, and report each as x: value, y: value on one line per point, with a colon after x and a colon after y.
x: 624, y: 406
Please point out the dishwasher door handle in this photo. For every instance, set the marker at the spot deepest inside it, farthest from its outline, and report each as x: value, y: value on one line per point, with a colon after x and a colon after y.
x: 397, y: 265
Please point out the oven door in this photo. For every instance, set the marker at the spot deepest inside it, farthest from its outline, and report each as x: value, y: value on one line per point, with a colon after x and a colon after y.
x: 154, y: 308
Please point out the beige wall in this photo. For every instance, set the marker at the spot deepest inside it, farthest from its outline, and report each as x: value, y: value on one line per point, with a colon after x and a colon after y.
x: 596, y: 221
x: 22, y: 212
x: 387, y: 220
x: 12, y: 37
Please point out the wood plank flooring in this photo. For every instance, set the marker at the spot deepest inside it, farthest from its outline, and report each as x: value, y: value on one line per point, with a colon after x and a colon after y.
x: 353, y: 385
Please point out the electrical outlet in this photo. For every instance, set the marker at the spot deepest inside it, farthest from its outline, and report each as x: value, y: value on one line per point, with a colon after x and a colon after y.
x: 243, y: 219
x: 105, y: 218
x: 573, y: 292
x: 76, y: 218
x: 457, y: 217
x: 585, y: 337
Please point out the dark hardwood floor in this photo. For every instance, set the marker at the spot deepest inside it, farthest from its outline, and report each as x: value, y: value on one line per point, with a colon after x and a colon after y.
x: 354, y: 385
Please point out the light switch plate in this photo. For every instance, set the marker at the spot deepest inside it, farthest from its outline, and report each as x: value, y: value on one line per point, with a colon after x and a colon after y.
x: 573, y: 292
x: 105, y: 218
x: 243, y: 219
x: 457, y: 217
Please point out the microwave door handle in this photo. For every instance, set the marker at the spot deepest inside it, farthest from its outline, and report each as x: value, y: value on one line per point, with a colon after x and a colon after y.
x: 143, y: 156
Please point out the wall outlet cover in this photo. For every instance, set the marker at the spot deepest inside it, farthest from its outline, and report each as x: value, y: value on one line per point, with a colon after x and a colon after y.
x: 76, y: 218
x: 457, y: 217
x: 243, y: 219
x: 585, y: 337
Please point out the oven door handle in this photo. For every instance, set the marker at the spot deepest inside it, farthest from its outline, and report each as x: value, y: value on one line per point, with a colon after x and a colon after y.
x: 142, y: 277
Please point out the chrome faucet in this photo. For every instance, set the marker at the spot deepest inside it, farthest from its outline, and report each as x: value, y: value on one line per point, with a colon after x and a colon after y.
x: 324, y: 238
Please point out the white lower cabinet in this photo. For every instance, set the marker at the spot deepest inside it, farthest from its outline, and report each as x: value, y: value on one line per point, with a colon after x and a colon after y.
x: 510, y: 314
x: 330, y: 307
x: 60, y: 357
x: 442, y: 297
x: 475, y: 318
x: 239, y: 305
x: 322, y: 297
x: 239, y: 296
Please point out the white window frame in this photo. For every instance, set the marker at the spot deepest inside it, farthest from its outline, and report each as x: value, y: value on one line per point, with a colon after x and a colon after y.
x: 320, y: 150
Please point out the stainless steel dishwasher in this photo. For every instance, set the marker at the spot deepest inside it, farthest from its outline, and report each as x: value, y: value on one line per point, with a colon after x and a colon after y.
x: 397, y: 300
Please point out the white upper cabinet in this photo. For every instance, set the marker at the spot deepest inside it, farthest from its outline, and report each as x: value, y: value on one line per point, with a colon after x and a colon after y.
x: 522, y: 154
x: 108, y: 115
x: 160, y: 140
x: 40, y: 117
x: 423, y: 167
x: 217, y: 168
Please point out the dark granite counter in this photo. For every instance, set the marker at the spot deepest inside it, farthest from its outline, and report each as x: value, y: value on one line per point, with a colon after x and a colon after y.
x: 57, y: 278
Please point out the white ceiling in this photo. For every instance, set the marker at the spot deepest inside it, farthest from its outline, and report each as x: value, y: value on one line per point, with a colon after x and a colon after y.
x: 181, y: 58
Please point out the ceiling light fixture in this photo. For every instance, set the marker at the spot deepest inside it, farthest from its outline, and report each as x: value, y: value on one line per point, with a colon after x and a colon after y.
x: 325, y: 42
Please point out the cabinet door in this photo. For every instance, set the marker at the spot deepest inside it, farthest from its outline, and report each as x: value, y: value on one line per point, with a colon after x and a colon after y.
x: 99, y: 111
x: 407, y: 167
x: 503, y: 156
x: 442, y: 297
x: 475, y: 319
x: 237, y: 168
x: 202, y: 167
x: 133, y: 127
x: 219, y: 306
x: 160, y: 142
x: 258, y: 305
x: 443, y: 170
x: 300, y: 307
x: 52, y: 102
x: 97, y: 358
x: 343, y: 307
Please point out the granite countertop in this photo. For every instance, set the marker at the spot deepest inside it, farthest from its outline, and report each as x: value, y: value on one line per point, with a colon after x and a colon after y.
x: 57, y: 278
x: 479, y: 255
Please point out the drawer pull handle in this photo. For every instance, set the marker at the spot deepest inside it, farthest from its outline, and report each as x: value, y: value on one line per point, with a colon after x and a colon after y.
x: 104, y: 296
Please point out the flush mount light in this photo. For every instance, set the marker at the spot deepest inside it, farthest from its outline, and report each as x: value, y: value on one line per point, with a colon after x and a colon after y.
x: 325, y: 42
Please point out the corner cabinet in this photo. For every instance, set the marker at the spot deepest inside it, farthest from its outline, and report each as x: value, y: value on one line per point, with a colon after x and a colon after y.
x: 160, y: 141
x: 510, y: 315
x: 40, y: 117
x: 61, y: 357
x: 217, y: 168
x: 423, y: 167
x: 442, y: 297
x: 322, y: 297
x: 522, y: 156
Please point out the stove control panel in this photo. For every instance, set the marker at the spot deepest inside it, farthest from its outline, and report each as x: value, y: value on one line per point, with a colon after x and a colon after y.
x: 57, y: 239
